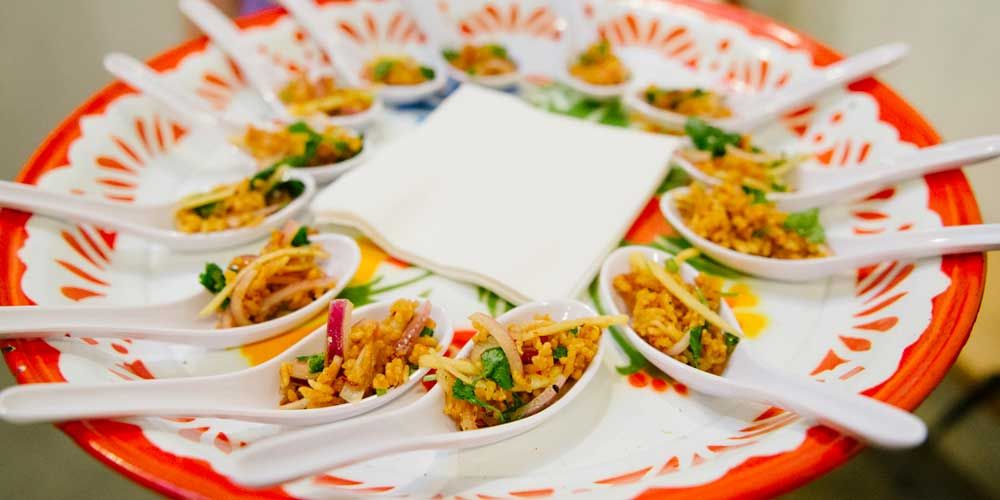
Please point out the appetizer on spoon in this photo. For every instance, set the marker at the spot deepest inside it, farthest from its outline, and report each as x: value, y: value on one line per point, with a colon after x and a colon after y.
x: 323, y: 154
x: 327, y: 387
x: 519, y: 370
x: 229, y: 215
x: 745, y: 231
x: 488, y: 64
x: 401, y: 76
x: 680, y: 323
x: 715, y: 156
x: 671, y: 107
x: 592, y: 67
x: 314, y: 95
x: 255, y: 297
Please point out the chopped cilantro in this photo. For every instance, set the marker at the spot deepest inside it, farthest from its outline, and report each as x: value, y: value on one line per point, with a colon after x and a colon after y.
x: 807, y: 225
x: 301, y: 237
x: 313, y: 140
x: 677, y: 177
x: 224, y: 305
x: 381, y: 392
x: 779, y: 187
x: 575, y: 330
x: 450, y: 54
x: 650, y: 95
x: 511, y: 412
x: 498, y: 50
x: 427, y: 72
x: 427, y: 332
x: 757, y: 195
x: 695, y: 344
x: 206, y: 209
x: 708, y: 138
x: 467, y: 392
x: 672, y: 266
x: 264, y: 175
x: 316, y: 362
x: 731, y: 342
x: 382, y: 69
x: 293, y: 187
x: 758, y: 233
x: 560, y: 352
x: 213, y: 279
x: 496, y: 367
x: 698, y: 92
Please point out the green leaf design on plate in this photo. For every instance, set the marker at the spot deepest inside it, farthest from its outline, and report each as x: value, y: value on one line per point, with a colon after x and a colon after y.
x: 495, y: 304
x: 367, y: 293
x: 703, y: 263
x: 636, y: 361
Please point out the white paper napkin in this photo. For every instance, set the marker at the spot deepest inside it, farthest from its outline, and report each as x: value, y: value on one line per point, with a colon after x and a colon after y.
x: 492, y: 191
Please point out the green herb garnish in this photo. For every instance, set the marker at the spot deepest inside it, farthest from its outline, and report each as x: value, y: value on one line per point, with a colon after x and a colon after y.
x: 427, y: 332
x: 293, y: 187
x: 695, y: 344
x: 467, y: 392
x: 511, y: 412
x: 731, y: 342
x: 498, y: 50
x: 676, y: 178
x: 672, y: 266
x: 698, y: 92
x: 427, y: 72
x: 206, y: 210
x: 382, y: 69
x: 560, y: 352
x: 316, y: 362
x: 450, y: 54
x: 264, y: 175
x: 381, y: 392
x: 496, y: 367
x: 314, y: 139
x: 708, y: 138
x: 807, y: 225
x: 758, y: 196
x: 213, y: 279
x: 575, y: 330
x: 301, y: 237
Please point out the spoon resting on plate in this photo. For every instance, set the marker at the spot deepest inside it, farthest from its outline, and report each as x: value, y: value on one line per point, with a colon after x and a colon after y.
x: 153, y: 222
x: 754, y: 111
x: 252, y: 394
x: 419, y: 426
x: 579, y: 35
x: 179, y: 321
x: 745, y: 378
x: 847, y: 254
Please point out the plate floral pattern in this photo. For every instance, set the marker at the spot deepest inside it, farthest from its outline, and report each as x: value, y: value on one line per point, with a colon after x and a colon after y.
x: 890, y: 330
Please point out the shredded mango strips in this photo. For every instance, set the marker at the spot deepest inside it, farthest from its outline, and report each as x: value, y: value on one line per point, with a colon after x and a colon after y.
x: 459, y: 368
x: 569, y: 324
x: 686, y: 254
x: 259, y: 261
x: 682, y: 294
x: 199, y: 199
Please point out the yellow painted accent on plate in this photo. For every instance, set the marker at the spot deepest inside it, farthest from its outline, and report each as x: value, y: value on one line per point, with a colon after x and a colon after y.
x: 752, y: 323
x: 744, y: 296
x: 371, y: 257
x: 264, y: 350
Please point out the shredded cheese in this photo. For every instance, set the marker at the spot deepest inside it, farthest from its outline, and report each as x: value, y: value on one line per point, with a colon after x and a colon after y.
x: 685, y: 297
x: 259, y: 261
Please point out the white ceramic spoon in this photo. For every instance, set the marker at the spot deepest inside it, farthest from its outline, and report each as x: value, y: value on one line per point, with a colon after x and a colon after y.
x: 579, y: 35
x: 848, y: 254
x: 176, y: 322
x: 756, y: 110
x: 263, y: 77
x: 816, y: 187
x: 309, y: 16
x: 142, y: 77
x: 419, y: 426
x: 153, y: 222
x: 442, y: 37
x: 252, y: 394
x: 744, y: 378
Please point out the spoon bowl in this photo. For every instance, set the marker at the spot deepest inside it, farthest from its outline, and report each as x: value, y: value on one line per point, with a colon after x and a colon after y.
x: 752, y: 112
x: 153, y: 222
x: 421, y: 425
x: 745, y: 378
x: 177, y: 322
x: 252, y: 394
x: 847, y: 254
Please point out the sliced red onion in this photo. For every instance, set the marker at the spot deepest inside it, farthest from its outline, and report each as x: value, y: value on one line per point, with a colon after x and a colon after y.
x: 298, y: 404
x: 338, y: 328
x: 681, y: 345
x: 288, y: 232
x: 352, y: 393
x: 413, y: 329
x: 285, y: 293
x: 544, y: 399
x: 504, y: 339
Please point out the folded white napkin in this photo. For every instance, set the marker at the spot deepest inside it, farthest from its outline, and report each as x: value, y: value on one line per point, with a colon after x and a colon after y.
x: 492, y: 191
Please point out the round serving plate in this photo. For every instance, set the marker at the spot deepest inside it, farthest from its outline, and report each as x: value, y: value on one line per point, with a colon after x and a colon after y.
x: 891, y: 331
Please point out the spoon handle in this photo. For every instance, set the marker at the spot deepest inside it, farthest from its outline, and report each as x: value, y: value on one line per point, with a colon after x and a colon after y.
x: 223, y: 32
x: 165, y: 397
x: 921, y: 162
x: 878, y: 423
x: 835, y: 75
x: 138, y: 75
x: 858, y: 252
x: 311, y: 18
x: 69, y: 207
x: 325, y: 447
